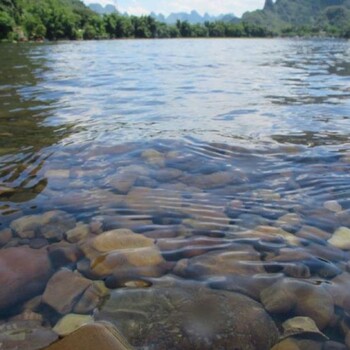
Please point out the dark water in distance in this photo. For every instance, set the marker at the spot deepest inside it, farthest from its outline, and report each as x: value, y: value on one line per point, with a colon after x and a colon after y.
x: 218, y: 138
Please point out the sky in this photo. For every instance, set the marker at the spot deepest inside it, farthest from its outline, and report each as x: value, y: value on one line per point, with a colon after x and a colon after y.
x: 213, y: 7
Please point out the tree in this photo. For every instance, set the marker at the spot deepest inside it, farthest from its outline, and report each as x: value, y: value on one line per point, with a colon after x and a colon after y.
x: 35, y: 29
x: 6, y: 25
x: 217, y: 29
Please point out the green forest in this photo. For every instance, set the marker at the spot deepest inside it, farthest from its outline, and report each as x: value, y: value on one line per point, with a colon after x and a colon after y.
x: 22, y: 20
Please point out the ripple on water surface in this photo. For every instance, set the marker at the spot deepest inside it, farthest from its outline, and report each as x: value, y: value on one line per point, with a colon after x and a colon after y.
x: 200, y: 199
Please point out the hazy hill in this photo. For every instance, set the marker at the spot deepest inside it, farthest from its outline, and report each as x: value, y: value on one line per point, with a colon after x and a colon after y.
x: 193, y: 17
x: 102, y: 10
x: 317, y: 14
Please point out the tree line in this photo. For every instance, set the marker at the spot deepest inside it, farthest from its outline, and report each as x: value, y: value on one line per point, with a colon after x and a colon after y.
x: 70, y: 19
x: 22, y: 20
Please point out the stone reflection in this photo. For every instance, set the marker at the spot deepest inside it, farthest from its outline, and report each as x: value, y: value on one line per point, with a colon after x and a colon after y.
x: 24, y: 137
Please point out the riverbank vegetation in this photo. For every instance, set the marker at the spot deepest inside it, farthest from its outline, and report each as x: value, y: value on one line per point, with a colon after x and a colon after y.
x: 22, y: 20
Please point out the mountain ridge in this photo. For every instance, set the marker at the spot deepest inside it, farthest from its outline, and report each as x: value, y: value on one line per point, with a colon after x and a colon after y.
x: 281, y: 16
x: 103, y: 10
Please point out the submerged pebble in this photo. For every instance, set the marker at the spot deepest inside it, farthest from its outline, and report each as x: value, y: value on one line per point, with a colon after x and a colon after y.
x: 341, y: 238
x: 188, y: 316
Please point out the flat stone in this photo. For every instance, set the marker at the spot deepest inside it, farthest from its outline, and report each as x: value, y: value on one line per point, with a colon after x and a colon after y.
x: 333, y: 206
x: 210, y: 181
x: 24, y: 273
x: 266, y: 195
x: 120, y: 239
x: 126, y: 263
x: 167, y: 175
x: 78, y: 233
x: 341, y: 238
x: 101, y: 336
x: 64, y: 290
x: 190, y: 247
x: 312, y: 233
x: 70, y: 323
x: 51, y: 225
x: 287, y: 344
x: 189, y: 317
x: 63, y: 254
x: 153, y: 157
x: 123, y: 182
x: 27, y: 226
x: 289, y: 220
x: 238, y: 261
x: 91, y: 298
x: 301, y: 326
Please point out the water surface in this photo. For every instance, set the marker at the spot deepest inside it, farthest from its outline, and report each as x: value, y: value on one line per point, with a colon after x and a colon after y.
x: 206, y: 146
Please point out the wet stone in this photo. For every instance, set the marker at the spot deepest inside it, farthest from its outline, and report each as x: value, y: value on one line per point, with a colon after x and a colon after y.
x: 250, y: 286
x: 184, y: 316
x: 28, y: 315
x: 91, y: 298
x: 116, y: 240
x: 211, y: 181
x: 26, y: 335
x: 70, y: 323
x: 78, y: 233
x: 303, y: 326
x: 37, y: 243
x: 333, y: 206
x: 313, y: 233
x: 153, y: 157
x: 64, y: 254
x: 301, y: 298
x: 332, y: 345
x: 23, y: 280
x: 339, y: 289
x: 238, y: 261
x: 341, y: 238
x: 343, y: 217
x: 5, y: 236
x: 52, y: 232
x: 99, y: 335
x: 129, y: 263
x: 287, y: 344
x: 123, y: 182
x: 50, y: 225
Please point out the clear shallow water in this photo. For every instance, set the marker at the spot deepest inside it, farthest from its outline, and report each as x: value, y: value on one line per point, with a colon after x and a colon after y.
x: 199, y: 144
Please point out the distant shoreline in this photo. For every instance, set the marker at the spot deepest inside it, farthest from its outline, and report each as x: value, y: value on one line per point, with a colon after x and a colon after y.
x: 46, y: 41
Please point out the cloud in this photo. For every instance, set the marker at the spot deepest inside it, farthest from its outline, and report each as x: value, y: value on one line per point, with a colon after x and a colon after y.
x: 138, y: 7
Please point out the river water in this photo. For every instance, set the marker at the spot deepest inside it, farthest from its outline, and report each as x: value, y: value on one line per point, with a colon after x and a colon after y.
x: 228, y: 159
